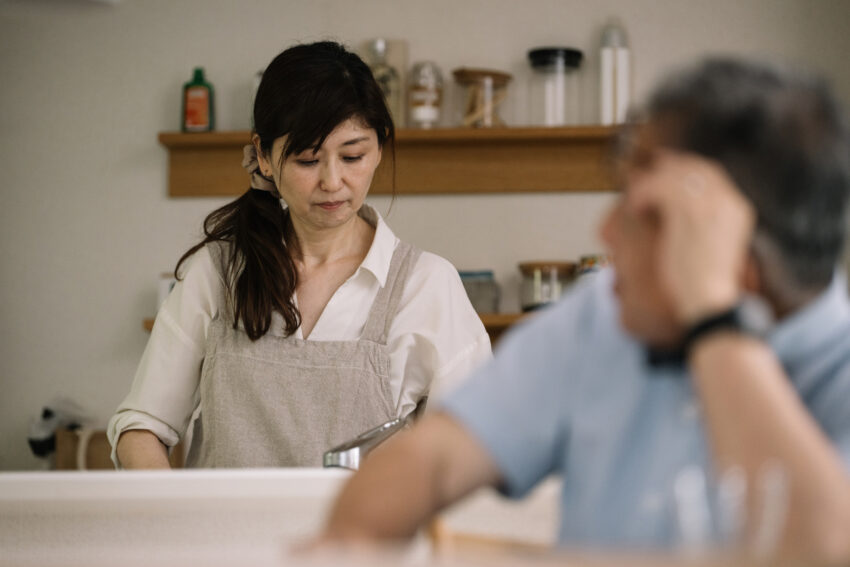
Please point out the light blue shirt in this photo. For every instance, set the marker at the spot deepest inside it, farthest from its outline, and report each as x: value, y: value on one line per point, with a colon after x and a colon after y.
x: 571, y: 393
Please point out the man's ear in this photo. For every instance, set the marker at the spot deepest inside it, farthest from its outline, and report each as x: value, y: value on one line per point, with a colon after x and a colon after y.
x: 751, y: 277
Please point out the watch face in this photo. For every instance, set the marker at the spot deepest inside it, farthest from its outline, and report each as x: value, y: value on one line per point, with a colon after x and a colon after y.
x: 755, y: 316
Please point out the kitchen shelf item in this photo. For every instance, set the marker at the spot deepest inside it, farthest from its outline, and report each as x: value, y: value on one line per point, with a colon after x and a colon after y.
x: 388, y: 78
x: 554, y: 86
x: 424, y: 95
x: 543, y: 282
x: 482, y: 289
x: 436, y: 161
x: 591, y: 263
x: 485, y: 90
x: 198, y: 104
x: 614, y: 75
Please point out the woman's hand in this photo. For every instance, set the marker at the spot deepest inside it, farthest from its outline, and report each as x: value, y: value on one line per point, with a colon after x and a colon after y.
x: 705, y: 228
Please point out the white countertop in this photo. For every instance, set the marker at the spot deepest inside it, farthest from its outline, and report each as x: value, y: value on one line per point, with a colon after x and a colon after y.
x: 211, y: 517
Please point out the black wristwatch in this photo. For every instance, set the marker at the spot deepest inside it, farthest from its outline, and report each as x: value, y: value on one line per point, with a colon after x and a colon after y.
x: 749, y: 317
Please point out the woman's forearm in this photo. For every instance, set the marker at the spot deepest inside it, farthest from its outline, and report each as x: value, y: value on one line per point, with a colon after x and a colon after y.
x: 141, y: 449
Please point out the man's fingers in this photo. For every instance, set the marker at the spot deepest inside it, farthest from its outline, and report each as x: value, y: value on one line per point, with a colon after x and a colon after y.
x: 679, y: 181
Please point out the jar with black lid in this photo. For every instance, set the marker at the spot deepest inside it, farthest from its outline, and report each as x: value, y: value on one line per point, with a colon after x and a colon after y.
x: 554, y: 88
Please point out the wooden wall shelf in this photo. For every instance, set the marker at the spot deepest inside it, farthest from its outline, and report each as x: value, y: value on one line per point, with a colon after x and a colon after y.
x: 440, y: 161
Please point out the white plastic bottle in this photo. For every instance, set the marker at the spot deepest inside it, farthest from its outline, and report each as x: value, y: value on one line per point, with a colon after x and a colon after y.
x: 615, y: 76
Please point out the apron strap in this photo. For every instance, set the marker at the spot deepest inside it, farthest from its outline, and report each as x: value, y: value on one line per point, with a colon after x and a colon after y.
x: 220, y: 252
x: 386, y: 302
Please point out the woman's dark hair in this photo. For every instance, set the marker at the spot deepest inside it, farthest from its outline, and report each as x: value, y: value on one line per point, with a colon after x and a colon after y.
x: 305, y: 93
x: 784, y: 141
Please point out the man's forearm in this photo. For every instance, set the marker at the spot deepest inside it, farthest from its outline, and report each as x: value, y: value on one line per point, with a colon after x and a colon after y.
x: 378, y: 501
x: 141, y: 449
x: 405, y: 482
x: 754, y: 417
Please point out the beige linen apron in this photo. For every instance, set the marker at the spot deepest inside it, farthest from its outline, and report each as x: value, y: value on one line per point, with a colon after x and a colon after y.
x: 281, y: 401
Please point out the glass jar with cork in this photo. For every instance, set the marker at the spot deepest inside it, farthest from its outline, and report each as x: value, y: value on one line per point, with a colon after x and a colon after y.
x: 485, y: 91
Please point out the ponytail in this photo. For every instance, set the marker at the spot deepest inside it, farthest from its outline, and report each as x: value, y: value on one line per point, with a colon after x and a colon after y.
x: 260, y: 261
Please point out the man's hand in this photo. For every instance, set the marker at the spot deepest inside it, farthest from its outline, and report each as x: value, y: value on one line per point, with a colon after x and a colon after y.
x: 705, y: 228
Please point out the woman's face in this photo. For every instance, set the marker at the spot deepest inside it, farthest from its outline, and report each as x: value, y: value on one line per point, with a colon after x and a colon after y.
x: 325, y: 188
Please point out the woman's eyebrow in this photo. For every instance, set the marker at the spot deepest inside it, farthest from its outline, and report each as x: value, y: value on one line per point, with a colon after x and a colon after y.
x: 355, y: 141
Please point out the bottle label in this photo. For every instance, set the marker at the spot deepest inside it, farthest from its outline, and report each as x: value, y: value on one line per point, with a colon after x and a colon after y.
x: 197, y: 117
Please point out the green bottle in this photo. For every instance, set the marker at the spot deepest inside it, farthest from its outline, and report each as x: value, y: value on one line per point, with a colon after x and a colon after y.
x: 198, y: 104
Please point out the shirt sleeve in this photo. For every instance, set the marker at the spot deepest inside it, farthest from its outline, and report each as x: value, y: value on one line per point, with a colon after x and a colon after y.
x: 829, y: 408
x: 436, y: 339
x: 164, y: 392
x: 518, y: 405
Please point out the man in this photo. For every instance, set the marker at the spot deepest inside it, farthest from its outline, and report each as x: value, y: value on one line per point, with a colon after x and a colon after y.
x: 734, y: 192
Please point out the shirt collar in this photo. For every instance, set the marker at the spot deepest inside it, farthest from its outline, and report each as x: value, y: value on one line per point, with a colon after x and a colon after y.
x: 796, y: 336
x: 377, y: 260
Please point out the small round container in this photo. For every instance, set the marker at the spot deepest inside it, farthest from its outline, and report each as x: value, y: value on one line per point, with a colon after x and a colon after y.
x: 424, y: 95
x: 482, y: 289
x: 590, y: 264
x: 484, y: 93
x: 543, y: 282
x: 554, y: 88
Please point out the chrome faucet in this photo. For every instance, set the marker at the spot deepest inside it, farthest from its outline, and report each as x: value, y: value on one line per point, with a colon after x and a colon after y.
x: 349, y: 454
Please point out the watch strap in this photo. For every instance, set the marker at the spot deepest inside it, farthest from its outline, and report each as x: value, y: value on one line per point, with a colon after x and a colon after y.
x: 724, y: 320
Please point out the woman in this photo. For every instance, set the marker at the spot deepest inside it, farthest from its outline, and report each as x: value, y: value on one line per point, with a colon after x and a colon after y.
x: 294, y: 329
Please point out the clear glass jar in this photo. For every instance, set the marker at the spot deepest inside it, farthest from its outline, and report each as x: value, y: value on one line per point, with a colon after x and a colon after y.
x: 543, y: 282
x: 388, y: 79
x: 482, y: 289
x: 554, y: 97
x: 424, y: 95
x: 484, y: 93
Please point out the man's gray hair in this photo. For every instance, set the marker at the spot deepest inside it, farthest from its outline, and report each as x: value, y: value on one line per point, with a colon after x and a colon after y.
x: 782, y: 137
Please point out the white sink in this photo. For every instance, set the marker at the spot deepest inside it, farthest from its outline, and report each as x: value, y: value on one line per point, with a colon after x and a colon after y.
x: 213, y: 517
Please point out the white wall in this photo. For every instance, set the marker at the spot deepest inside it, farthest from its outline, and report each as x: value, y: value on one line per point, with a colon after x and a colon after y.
x: 85, y: 221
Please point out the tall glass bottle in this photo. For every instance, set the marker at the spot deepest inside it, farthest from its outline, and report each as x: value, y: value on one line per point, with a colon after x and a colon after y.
x: 388, y: 79
x: 198, y: 104
x: 614, y: 73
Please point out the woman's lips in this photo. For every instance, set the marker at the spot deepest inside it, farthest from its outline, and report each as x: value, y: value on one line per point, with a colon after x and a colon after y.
x: 331, y: 206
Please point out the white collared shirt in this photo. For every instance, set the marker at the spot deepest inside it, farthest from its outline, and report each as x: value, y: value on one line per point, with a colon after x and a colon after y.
x: 435, y: 340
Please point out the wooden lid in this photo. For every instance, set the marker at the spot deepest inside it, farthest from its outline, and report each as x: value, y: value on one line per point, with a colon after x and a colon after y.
x: 565, y: 269
x: 467, y: 76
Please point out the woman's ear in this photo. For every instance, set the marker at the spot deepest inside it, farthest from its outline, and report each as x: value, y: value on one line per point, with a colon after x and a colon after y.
x: 265, y: 166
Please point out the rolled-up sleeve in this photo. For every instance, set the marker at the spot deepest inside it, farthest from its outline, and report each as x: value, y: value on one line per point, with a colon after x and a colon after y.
x: 164, y: 393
